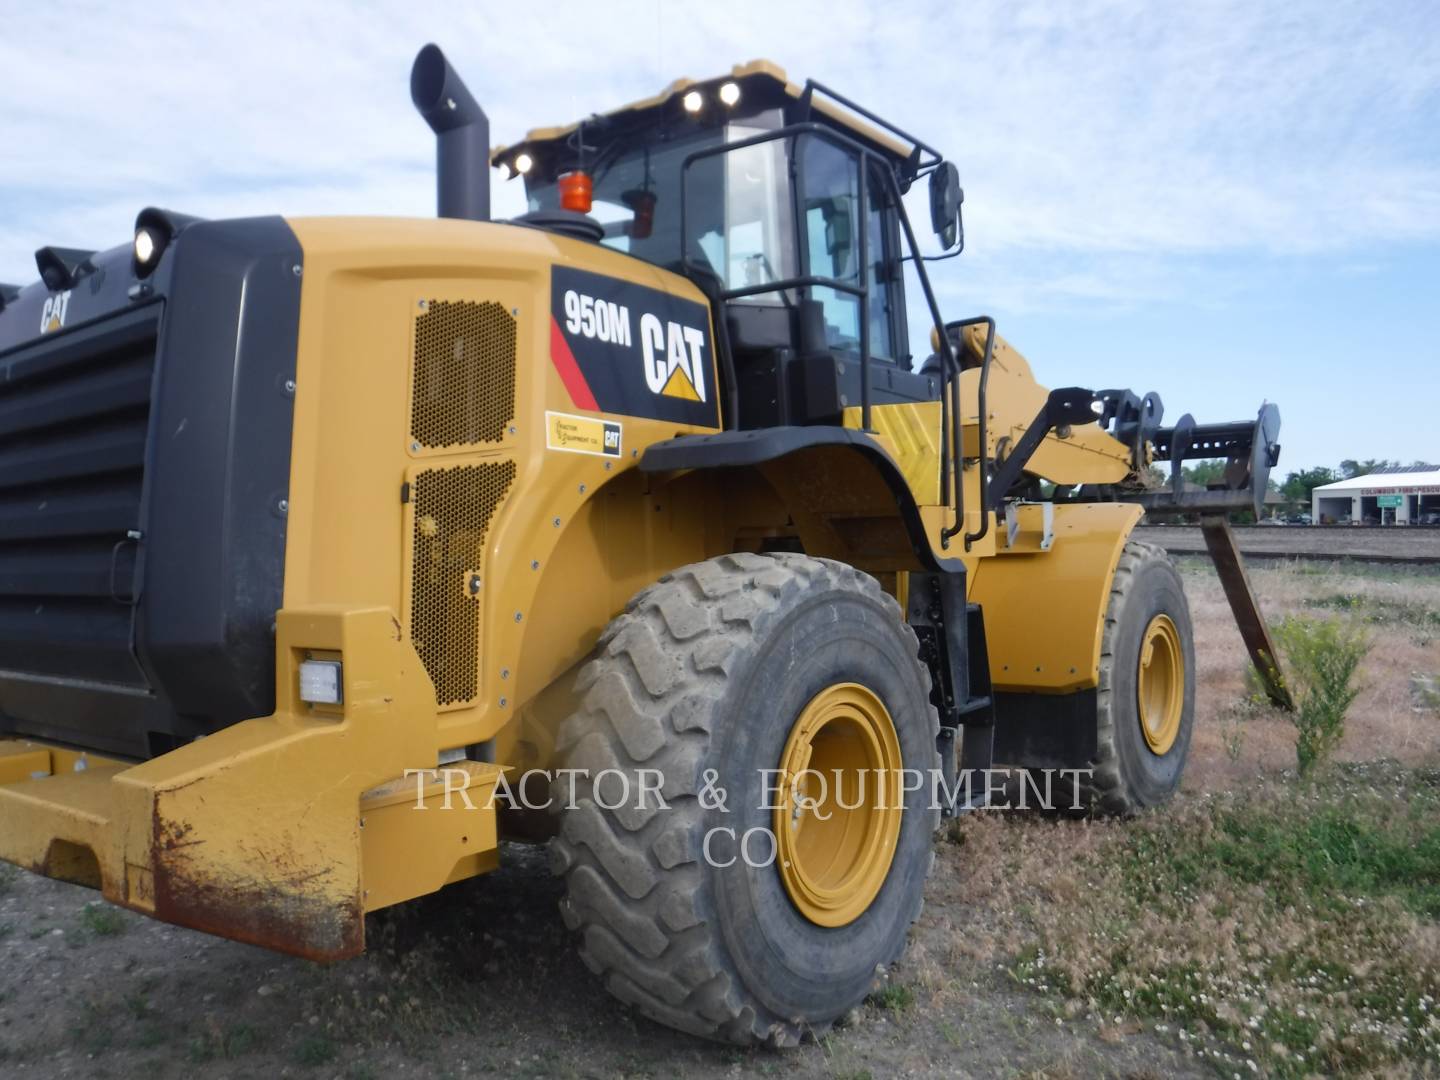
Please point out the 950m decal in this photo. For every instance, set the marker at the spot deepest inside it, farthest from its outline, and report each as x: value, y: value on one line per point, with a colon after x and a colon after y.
x: 630, y: 349
x: 582, y: 434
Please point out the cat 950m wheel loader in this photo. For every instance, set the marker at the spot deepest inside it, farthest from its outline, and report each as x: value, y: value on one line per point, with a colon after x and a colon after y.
x: 635, y: 510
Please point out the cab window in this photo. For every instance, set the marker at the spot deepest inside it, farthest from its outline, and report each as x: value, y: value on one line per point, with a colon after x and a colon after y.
x: 831, y: 200
x: 880, y: 273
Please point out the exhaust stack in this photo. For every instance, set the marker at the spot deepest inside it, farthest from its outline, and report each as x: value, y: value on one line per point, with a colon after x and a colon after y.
x: 462, y: 136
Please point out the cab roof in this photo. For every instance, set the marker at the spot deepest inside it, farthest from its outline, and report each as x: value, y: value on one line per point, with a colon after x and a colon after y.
x: 762, y: 80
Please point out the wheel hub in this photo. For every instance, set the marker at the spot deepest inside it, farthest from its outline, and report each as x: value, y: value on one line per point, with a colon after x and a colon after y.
x: 1160, y: 684
x: 837, y: 819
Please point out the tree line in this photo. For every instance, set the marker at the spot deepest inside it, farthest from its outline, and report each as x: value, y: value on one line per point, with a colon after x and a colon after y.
x: 1297, y: 486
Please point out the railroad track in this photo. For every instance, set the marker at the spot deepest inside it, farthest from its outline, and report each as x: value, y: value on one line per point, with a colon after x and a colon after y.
x: 1413, y: 544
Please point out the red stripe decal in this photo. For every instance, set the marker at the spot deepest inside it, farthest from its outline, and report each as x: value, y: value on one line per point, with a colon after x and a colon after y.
x: 570, y: 373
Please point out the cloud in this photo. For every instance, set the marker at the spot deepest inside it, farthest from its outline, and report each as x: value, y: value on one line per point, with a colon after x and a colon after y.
x: 1104, y: 145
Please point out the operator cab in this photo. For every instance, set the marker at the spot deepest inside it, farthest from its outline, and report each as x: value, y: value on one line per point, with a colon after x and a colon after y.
x: 783, y: 204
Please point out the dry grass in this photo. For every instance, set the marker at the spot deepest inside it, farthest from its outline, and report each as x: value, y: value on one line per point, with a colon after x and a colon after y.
x: 1266, y: 925
x: 1282, y: 931
x: 1401, y: 607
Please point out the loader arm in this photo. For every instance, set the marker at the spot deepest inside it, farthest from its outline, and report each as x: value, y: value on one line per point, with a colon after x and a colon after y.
x: 1114, y: 455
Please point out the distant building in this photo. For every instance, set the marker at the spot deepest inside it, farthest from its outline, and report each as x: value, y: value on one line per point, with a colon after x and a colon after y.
x: 1393, y: 496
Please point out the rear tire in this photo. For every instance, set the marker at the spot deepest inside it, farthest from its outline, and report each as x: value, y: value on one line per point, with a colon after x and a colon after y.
x: 703, y: 678
x: 1144, y: 718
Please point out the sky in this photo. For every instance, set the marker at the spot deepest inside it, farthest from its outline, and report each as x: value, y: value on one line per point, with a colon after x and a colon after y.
x: 1225, y: 201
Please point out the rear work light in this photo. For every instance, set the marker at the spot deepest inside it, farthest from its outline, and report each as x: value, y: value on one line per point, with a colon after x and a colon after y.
x: 320, y: 682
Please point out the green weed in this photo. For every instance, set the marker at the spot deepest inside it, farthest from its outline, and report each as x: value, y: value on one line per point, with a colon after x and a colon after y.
x: 102, y: 919
x: 314, y: 1051
x: 225, y: 1043
x: 1323, y: 656
x: 893, y: 997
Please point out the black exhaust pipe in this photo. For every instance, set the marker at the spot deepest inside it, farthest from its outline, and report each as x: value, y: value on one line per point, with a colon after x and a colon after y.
x: 462, y: 136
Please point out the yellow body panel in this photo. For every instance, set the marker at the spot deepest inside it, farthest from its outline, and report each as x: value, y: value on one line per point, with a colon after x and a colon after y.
x: 911, y: 432
x: 21, y: 759
x: 1045, y: 610
x: 1013, y: 398
x: 253, y: 832
x: 437, y: 826
x: 350, y: 536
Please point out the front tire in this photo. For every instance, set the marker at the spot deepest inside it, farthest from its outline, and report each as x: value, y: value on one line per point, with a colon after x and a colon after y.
x: 712, y: 676
x: 1145, y: 703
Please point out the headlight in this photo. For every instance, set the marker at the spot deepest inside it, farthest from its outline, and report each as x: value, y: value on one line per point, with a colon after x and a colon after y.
x: 524, y: 163
x: 692, y: 101
x: 729, y: 93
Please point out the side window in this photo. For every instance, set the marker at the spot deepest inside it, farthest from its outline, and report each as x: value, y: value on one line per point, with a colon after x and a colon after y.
x: 740, y: 223
x: 831, y: 201
x: 832, y: 229
x: 757, y: 219
x: 879, y: 274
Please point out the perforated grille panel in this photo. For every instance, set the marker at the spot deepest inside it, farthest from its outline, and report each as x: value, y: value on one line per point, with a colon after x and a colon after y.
x: 453, y: 508
x: 464, y: 390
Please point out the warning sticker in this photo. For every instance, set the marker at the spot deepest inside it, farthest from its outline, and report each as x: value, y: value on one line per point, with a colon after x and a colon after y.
x: 582, y: 434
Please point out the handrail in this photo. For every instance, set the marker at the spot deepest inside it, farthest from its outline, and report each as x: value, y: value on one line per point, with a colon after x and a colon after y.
x: 812, y: 87
x: 958, y: 326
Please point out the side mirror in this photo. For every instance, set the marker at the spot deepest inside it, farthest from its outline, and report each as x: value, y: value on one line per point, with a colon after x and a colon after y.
x: 946, y: 196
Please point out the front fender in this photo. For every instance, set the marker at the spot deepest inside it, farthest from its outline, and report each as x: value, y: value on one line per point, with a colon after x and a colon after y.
x: 1045, y: 610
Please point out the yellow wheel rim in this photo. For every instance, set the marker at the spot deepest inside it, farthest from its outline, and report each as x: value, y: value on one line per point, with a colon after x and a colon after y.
x: 1160, y: 685
x: 837, y: 818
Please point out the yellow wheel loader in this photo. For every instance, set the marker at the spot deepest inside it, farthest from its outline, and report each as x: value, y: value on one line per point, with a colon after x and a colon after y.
x: 335, y: 551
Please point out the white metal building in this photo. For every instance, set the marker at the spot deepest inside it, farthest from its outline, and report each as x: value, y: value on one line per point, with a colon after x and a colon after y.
x: 1380, y: 498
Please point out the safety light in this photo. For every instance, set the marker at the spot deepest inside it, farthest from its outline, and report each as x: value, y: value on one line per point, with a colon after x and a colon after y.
x: 148, y: 246
x: 524, y: 163
x: 576, y: 190
x: 692, y: 101
x: 729, y: 93
x: 320, y: 682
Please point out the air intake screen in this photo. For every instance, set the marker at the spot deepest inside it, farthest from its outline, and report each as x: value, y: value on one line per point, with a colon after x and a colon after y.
x: 464, y: 374
x: 453, y: 508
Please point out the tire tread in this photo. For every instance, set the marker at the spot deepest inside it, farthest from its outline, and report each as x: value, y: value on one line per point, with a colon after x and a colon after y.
x: 634, y: 880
